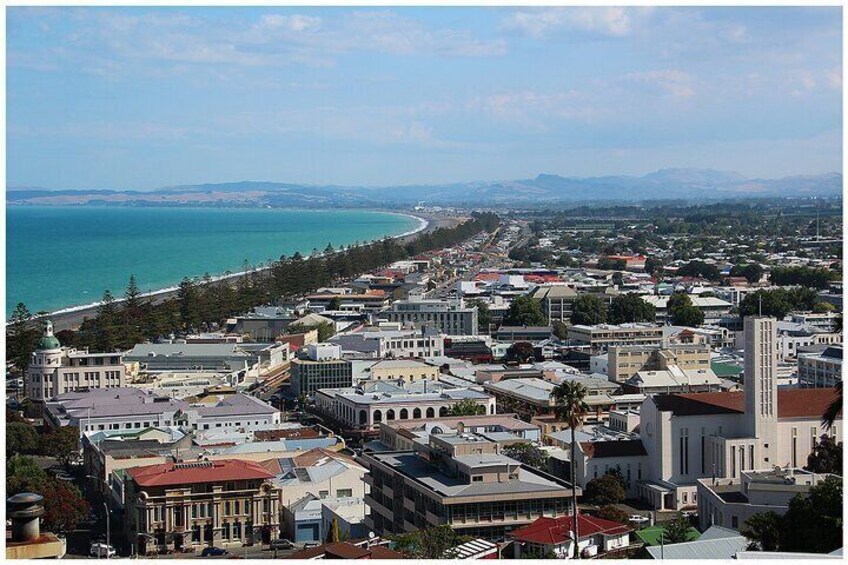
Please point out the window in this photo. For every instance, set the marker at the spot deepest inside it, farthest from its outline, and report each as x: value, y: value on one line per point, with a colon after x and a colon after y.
x: 227, y: 508
x: 343, y: 493
x: 734, y: 522
x: 236, y: 506
x: 477, y: 479
x: 323, y: 494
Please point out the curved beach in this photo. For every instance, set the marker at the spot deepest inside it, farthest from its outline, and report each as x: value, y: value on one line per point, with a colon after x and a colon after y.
x: 72, y: 316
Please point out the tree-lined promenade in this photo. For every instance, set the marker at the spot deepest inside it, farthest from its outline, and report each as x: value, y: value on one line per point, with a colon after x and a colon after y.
x: 200, y: 304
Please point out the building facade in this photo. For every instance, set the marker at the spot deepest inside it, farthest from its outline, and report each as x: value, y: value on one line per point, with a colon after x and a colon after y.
x: 55, y: 370
x: 448, y: 317
x: 205, y: 503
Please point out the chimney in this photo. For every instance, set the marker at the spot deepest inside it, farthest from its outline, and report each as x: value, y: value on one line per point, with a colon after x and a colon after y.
x: 25, y: 511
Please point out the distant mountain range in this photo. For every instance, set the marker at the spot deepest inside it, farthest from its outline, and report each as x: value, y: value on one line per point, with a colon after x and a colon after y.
x: 685, y: 184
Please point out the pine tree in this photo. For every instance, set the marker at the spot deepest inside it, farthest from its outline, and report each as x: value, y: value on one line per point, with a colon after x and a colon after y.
x: 21, y: 338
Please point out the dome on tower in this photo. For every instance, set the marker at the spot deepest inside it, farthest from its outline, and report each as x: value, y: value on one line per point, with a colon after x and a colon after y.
x: 48, y: 341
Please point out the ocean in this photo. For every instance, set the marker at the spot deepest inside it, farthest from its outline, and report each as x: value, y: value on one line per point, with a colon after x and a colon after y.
x: 59, y: 257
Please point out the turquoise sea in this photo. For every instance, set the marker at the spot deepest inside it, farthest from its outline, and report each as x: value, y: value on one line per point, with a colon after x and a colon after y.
x: 57, y: 257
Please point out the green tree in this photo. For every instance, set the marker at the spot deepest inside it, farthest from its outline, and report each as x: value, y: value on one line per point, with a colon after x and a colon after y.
x: 699, y: 269
x: 823, y: 307
x: 608, y: 264
x: 814, y: 523
x: 22, y: 338
x: 653, y: 266
x: 335, y: 303
x: 524, y: 311
x: 682, y: 312
x: 614, y: 514
x: 132, y: 315
x: 826, y: 456
x: 763, y: 531
x: 21, y: 438
x: 528, y: 454
x: 606, y: 489
x: 589, y: 310
x: 62, y: 443
x: 752, y: 272
x: 107, y: 324
x: 521, y: 352
x: 484, y: 316
x: 188, y: 299
x: 64, y: 506
x: 560, y: 329
x: 630, y: 308
x: 569, y: 399
x: 466, y: 407
x: 677, y: 529
x: 430, y: 543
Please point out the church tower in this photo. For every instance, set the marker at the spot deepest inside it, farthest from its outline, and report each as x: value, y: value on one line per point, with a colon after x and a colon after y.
x: 761, y: 388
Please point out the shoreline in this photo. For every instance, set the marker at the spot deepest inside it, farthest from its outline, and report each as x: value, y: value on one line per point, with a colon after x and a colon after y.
x: 71, y: 317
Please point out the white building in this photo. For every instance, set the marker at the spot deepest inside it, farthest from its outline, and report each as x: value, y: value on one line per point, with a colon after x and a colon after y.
x: 55, y: 370
x: 700, y: 435
x: 820, y: 369
x: 730, y: 502
x: 363, y: 408
x: 391, y: 341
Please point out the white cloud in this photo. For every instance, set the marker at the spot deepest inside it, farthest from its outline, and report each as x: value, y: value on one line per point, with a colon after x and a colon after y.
x: 674, y: 83
x: 608, y: 21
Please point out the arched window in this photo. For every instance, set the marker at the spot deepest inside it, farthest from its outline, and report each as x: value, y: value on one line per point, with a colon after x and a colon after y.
x: 378, y: 416
x: 443, y: 411
x: 363, y: 417
x: 404, y: 414
x: 416, y: 413
x: 390, y: 415
x: 431, y: 413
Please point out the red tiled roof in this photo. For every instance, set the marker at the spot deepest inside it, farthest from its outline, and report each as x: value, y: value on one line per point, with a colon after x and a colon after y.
x: 791, y: 403
x: 167, y: 474
x: 556, y: 531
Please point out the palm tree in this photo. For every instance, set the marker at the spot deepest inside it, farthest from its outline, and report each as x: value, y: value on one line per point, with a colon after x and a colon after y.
x: 570, y: 406
x: 833, y: 409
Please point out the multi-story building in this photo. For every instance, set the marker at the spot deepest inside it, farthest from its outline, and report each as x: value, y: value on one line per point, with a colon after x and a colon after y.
x: 362, y: 409
x: 56, y: 370
x: 130, y: 408
x: 399, y: 435
x: 459, y: 480
x: 219, y: 357
x: 392, y: 342
x: 602, y: 336
x: 556, y: 301
x: 822, y: 368
x: 406, y: 370
x: 320, y: 367
x: 823, y: 321
x: 189, y: 505
x: 730, y: 502
x: 694, y: 436
x: 625, y: 361
x: 524, y: 333
x: 448, y: 316
x: 714, y: 309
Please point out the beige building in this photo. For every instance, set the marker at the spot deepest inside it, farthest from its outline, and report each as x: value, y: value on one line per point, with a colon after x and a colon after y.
x: 409, y: 370
x: 206, y: 503
x: 556, y: 301
x: 730, y: 502
x: 602, y: 336
x: 55, y: 370
x: 700, y: 435
x: 460, y: 480
x: 625, y: 361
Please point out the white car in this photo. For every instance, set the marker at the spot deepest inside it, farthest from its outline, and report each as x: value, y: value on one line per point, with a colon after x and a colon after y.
x: 638, y: 518
x: 101, y: 550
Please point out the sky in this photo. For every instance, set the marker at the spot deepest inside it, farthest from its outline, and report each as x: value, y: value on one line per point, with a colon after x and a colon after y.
x: 140, y: 98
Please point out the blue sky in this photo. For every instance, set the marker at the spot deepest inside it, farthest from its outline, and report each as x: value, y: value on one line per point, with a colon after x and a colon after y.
x: 139, y: 98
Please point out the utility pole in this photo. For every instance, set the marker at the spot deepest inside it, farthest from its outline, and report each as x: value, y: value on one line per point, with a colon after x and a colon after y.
x: 108, y: 538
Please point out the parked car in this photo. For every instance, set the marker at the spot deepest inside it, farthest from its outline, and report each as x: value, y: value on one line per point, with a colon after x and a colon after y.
x: 281, y: 544
x: 212, y: 551
x: 101, y: 550
x: 638, y: 518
